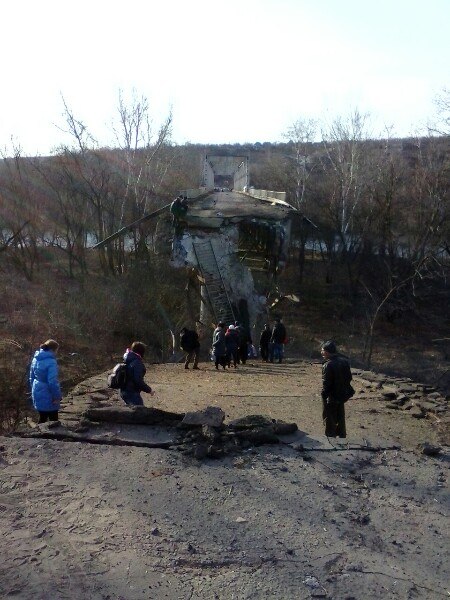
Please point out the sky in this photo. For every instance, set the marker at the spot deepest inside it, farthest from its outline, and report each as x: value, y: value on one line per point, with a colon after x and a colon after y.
x: 231, y: 71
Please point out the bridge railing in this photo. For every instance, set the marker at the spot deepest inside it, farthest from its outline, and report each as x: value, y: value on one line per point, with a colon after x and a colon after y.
x: 267, y: 194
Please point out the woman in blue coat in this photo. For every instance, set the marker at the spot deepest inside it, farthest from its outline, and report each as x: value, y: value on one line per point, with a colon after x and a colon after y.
x: 135, y: 384
x: 45, y: 389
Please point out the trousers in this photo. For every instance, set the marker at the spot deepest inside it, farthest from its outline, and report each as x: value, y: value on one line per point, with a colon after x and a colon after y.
x: 192, y: 354
x: 50, y: 415
x: 333, y: 415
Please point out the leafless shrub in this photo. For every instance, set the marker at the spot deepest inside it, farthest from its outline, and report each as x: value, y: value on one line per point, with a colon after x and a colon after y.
x: 14, y: 397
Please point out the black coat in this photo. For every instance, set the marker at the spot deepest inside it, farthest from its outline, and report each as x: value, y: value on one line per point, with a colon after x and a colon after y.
x: 336, y: 378
x: 219, y: 345
x: 278, y: 334
x: 189, y: 340
x: 264, y: 340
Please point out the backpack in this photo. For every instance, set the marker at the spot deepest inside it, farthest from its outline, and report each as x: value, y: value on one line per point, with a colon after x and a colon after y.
x: 117, y: 379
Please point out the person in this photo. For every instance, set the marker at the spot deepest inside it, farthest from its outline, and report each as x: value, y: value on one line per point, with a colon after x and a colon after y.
x: 178, y: 208
x: 336, y: 389
x: 44, y: 383
x: 232, y: 345
x: 219, y: 346
x: 131, y: 393
x: 264, y: 341
x: 277, y: 341
x: 244, y: 340
x: 190, y: 344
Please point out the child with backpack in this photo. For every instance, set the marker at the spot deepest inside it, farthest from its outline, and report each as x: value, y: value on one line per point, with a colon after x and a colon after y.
x: 134, y: 380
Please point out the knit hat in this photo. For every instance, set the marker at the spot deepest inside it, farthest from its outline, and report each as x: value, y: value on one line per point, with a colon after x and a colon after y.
x: 329, y: 347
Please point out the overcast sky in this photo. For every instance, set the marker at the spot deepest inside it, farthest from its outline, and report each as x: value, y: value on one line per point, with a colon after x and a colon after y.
x: 231, y: 70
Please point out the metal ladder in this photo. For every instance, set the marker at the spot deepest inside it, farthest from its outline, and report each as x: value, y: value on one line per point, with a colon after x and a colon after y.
x: 215, y: 289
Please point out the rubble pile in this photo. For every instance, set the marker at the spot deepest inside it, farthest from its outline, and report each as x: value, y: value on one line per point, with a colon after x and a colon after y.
x: 201, y: 434
x: 419, y: 400
x: 204, y: 434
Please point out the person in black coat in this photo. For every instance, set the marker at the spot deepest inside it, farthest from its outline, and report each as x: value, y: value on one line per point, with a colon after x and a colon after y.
x: 264, y: 342
x: 245, y: 339
x: 232, y: 345
x: 336, y: 390
x: 277, y: 341
x: 190, y: 344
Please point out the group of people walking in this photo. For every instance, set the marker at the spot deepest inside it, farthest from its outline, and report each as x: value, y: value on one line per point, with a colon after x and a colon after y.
x: 233, y: 345
x: 230, y: 346
x: 272, y: 341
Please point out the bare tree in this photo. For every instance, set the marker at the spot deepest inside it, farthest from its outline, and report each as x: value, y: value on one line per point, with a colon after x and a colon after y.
x: 301, y: 134
x: 69, y: 227
x: 120, y: 184
x: 392, y: 287
x: 19, y: 214
x: 8, y: 238
x: 143, y: 158
x: 441, y: 125
x: 344, y: 152
x: 342, y: 186
x: 429, y: 199
x: 92, y: 174
x: 411, y: 228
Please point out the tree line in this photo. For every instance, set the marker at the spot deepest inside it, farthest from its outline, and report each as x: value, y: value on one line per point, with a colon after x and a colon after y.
x: 380, y: 209
x: 377, y: 209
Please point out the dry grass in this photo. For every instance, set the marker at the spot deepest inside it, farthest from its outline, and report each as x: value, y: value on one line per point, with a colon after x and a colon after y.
x: 405, y: 347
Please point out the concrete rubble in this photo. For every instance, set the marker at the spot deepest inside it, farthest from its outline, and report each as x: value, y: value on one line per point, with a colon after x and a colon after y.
x: 419, y: 400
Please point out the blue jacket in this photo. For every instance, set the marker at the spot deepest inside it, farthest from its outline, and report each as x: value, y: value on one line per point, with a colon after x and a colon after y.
x: 135, y: 379
x: 44, y: 382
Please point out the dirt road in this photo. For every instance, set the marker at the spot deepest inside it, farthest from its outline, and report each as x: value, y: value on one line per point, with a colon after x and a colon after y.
x: 105, y: 522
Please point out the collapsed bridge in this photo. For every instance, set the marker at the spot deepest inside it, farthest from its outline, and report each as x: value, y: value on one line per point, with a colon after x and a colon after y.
x: 226, y: 230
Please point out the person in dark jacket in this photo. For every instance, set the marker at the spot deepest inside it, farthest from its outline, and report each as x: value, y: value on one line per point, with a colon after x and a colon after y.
x: 336, y: 389
x: 277, y: 341
x: 131, y: 393
x: 232, y: 345
x: 244, y: 340
x: 178, y: 208
x: 44, y: 383
x: 219, y: 347
x: 264, y: 342
x: 190, y: 344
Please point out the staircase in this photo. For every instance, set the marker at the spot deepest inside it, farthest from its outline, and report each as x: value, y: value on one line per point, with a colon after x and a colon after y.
x: 217, y: 295
x: 254, y: 261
